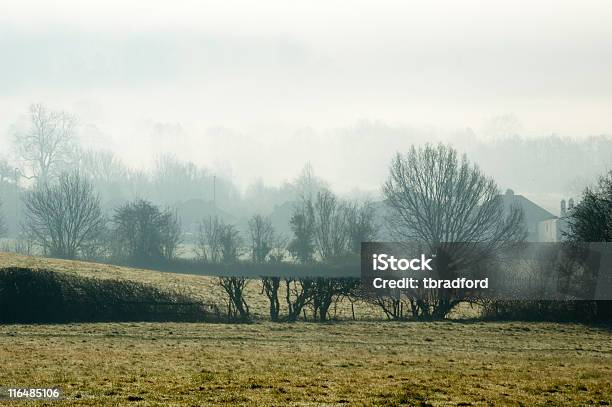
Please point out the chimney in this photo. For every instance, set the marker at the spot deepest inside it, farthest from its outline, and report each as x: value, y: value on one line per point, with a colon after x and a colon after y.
x: 563, y: 211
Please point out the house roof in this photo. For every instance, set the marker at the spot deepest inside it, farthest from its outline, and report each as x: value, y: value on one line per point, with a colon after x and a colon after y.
x: 532, y: 211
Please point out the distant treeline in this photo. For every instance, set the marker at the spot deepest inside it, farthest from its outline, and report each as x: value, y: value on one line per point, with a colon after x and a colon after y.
x: 546, y: 165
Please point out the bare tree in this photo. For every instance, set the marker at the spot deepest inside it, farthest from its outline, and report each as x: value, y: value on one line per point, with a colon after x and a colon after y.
x: 298, y: 294
x: 262, y: 237
x: 221, y: 243
x: 208, y: 246
x: 307, y: 184
x: 272, y: 284
x: 436, y: 198
x: 48, y: 143
x: 174, y: 179
x: 331, y: 227
x: 266, y: 246
x: 237, y: 307
x: 101, y: 166
x: 171, y: 234
x: 63, y: 217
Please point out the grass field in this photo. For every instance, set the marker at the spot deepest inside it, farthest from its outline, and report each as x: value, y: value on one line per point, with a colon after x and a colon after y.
x: 354, y: 363
x: 361, y: 363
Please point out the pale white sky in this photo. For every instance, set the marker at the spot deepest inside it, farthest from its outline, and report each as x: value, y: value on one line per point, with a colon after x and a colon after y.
x: 215, y: 82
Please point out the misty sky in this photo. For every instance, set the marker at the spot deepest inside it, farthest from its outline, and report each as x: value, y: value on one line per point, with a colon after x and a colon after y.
x: 256, y: 88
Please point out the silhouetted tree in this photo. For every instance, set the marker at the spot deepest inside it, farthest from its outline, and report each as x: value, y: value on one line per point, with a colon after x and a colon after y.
x: 302, y: 225
x: 234, y: 287
x: 63, y: 217
x: 231, y: 242
x: 144, y: 233
x: 591, y: 221
x: 360, y: 219
x: 435, y: 197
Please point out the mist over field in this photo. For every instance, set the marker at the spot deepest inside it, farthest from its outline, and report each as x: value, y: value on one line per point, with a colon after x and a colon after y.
x: 195, y: 198
x: 253, y: 92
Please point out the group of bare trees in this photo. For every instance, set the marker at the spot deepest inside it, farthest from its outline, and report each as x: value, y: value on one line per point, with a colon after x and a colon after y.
x: 64, y: 218
x: 325, y: 230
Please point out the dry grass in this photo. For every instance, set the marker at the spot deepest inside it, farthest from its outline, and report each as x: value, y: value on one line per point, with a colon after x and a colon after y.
x: 359, y: 363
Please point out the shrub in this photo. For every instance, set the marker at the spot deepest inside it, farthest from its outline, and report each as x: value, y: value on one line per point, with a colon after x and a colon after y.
x: 42, y: 296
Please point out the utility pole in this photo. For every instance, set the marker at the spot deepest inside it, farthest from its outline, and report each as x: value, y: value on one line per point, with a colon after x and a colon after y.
x: 215, y: 190
x: 16, y: 220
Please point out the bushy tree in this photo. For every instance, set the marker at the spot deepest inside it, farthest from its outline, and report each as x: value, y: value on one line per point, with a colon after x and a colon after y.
x: 231, y: 243
x: 361, y: 224
x: 144, y: 233
x: 591, y: 221
x: 302, y: 224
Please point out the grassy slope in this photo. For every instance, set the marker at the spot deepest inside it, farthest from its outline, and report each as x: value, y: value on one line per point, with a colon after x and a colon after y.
x: 201, y: 287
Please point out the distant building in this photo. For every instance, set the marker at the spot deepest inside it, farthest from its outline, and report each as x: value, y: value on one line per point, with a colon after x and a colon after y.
x: 534, y: 214
x: 551, y: 230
